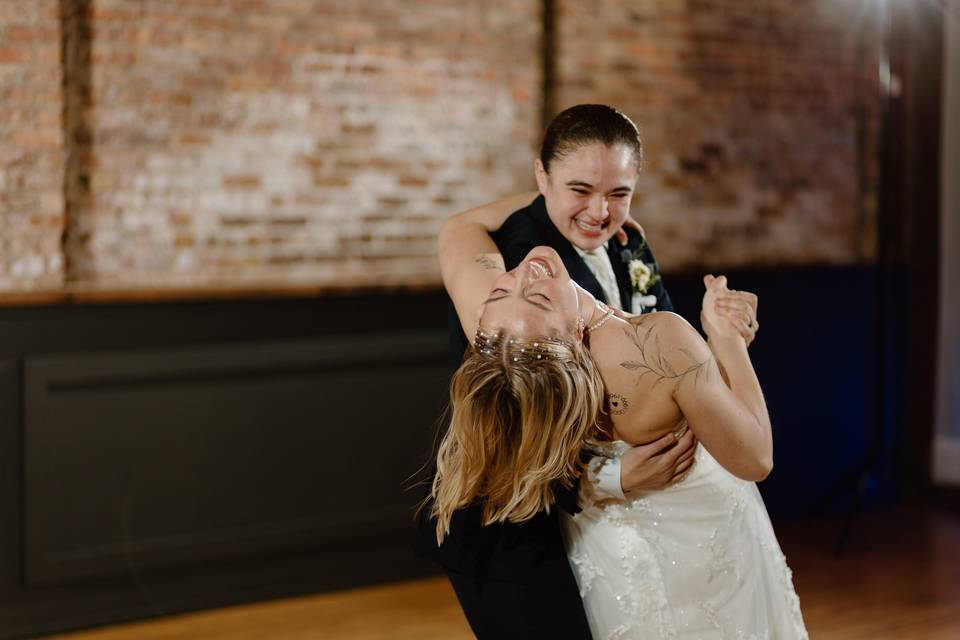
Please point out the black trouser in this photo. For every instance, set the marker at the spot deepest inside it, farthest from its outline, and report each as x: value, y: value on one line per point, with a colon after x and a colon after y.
x: 508, y: 611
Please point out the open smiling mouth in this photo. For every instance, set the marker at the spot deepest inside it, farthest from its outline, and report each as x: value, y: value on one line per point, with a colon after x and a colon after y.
x: 590, y: 227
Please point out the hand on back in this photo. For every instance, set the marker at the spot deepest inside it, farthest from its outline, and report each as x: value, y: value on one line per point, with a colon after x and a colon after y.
x: 657, y: 465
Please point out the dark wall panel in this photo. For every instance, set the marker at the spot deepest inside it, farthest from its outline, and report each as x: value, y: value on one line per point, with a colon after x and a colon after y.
x: 159, y: 458
x: 10, y: 464
x: 162, y: 458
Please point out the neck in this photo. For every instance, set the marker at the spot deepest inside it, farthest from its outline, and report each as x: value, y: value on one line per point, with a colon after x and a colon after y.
x: 593, y: 313
x: 586, y: 306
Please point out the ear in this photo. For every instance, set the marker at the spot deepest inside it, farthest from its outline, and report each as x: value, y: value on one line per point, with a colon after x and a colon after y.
x: 541, y: 175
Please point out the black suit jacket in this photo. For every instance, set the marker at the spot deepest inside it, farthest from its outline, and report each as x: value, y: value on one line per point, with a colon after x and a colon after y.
x: 531, y: 552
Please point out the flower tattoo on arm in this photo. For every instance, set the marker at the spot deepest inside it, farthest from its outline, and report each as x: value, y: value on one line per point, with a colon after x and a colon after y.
x: 676, y: 365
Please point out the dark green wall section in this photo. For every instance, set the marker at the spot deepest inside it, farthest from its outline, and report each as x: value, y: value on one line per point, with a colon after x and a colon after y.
x: 163, y: 458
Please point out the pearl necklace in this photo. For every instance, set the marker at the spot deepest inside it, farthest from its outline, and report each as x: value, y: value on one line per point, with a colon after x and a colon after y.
x: 599, y: 323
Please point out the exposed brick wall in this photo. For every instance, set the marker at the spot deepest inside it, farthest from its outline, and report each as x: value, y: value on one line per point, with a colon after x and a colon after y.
x: 31, y: 145
x: 264, y: 138
x: 759, y: 122
x: 228, y: 140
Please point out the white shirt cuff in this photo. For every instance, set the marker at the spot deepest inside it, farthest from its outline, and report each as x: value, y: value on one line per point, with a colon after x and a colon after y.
x: 601, y: 481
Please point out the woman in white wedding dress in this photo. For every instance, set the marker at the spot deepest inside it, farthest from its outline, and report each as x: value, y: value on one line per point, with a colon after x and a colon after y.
x: 697, y: 560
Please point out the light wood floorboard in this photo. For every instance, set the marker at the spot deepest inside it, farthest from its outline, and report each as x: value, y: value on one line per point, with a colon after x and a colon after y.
x: 898, y: 580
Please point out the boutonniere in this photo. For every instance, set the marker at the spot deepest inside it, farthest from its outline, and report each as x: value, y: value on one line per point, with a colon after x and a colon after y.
x: 630, y: 255
x: 642, y: 276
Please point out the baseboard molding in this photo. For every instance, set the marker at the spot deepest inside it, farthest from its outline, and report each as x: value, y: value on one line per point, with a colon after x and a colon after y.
x: 946, y: 461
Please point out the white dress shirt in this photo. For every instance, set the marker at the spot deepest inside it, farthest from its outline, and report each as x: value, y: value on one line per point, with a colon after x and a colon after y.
x: 598, y: 261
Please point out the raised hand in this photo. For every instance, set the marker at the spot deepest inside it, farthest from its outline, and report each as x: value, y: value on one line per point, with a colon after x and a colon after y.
x: 629, y: 223
x: 739, y: 308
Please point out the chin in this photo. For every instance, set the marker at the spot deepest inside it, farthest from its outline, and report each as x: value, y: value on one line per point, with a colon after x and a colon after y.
x: 590, y: 243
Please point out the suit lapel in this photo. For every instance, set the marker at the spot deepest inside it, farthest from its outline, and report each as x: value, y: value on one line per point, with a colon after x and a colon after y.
x: 622, y: 271
x: 574, y: 264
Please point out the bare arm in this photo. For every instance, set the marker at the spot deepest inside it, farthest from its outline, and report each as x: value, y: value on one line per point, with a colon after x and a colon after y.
x: 469, y: 259
x: 492, y: 215
x: 731, y: 422
x: 745, y: 411
x: 729, y: 344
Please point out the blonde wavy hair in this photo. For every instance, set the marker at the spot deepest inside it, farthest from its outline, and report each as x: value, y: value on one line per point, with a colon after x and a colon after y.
x: 521, y: 411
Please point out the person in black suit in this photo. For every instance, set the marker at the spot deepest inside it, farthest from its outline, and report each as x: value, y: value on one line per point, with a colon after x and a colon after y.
x: 514, y: 580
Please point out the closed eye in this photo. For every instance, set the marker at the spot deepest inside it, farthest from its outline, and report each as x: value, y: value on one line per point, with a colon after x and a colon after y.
x: 497, y: 294
x: 500, y: 294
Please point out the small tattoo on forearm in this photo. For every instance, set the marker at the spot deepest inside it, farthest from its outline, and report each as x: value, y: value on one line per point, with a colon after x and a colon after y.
x: 487, y: 263
x: 618, y: 404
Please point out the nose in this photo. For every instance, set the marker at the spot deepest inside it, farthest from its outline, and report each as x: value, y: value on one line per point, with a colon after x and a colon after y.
x: 597, y: 208
x: 518, y: 278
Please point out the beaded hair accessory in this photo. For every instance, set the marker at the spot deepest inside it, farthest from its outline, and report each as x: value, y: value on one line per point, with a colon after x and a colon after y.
x: 519, y: 350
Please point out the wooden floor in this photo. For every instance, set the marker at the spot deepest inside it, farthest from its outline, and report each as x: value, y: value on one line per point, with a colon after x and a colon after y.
x: 898, y: 579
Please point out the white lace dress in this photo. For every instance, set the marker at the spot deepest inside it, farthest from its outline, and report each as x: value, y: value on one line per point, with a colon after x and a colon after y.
x: 697, y: 560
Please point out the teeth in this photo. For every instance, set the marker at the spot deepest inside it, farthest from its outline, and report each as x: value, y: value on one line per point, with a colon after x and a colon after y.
x: 540, y: 270
x: 589, y: 227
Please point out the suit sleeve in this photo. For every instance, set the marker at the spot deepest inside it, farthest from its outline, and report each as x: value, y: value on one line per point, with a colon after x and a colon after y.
x: 566, y: 497
x: 516, y: 238
x: 664, y: 303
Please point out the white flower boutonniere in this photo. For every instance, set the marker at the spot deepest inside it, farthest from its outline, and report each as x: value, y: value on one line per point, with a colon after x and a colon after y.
x: 641, y: 276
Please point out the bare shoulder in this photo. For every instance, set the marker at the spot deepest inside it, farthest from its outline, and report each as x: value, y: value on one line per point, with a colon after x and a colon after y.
x: 670, y: 329
x: 661, y: 348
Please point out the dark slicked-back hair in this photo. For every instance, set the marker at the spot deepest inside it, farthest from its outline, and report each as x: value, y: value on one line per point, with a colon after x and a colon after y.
x: 586, y: 124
